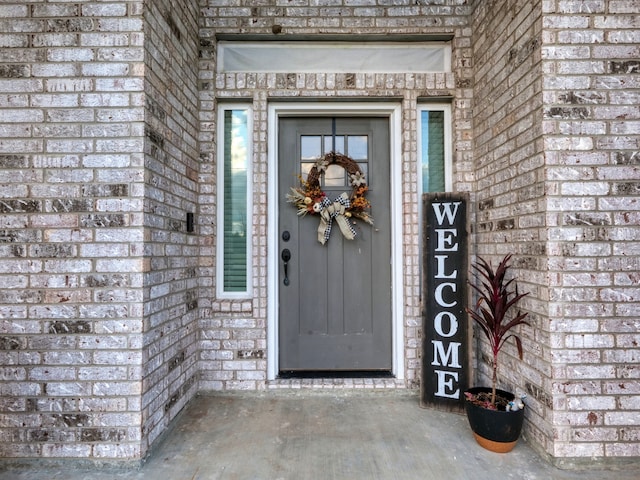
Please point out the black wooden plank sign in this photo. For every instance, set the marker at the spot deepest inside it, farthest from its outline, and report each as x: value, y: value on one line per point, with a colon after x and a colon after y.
x: 445, y: 348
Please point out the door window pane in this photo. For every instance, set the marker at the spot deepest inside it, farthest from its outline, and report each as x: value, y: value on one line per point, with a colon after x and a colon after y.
x: 329, y: 144
x: 305, y: 168
x: 334, y: 176
x: 358, y: 147
x: 310, y: 147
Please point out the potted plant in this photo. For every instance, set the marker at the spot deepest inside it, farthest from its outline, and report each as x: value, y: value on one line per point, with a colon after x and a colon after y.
x: 494, y: 415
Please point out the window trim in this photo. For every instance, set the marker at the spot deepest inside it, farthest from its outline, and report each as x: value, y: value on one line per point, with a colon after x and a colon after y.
x: 220, y: 184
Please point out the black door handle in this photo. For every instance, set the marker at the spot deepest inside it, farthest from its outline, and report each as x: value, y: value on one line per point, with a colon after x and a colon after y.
x: 286, y: 256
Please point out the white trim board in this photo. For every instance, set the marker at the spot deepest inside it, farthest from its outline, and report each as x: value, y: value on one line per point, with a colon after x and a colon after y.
x: 393, y: 112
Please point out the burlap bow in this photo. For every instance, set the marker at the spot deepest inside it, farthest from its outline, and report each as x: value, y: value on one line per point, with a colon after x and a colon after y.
x: 335, y: 210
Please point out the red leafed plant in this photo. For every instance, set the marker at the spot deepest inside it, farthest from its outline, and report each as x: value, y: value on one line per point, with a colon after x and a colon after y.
x: 496, y: 297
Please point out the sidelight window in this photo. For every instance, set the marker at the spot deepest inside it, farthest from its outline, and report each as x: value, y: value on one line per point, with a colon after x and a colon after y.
x: 434, y: 148
x: 234, y: 211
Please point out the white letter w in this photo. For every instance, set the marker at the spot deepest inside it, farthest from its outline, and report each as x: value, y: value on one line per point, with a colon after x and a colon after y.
x: 441, y: 212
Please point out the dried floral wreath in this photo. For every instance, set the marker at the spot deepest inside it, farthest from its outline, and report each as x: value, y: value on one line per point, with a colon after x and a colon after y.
x: 310, y: 199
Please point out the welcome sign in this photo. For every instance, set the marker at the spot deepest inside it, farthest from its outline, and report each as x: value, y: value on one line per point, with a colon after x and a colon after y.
x: 445, y: 348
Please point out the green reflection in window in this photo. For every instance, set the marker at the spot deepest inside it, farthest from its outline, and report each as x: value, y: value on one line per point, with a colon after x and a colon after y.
x: 235, y: 218
x: 432, y: 154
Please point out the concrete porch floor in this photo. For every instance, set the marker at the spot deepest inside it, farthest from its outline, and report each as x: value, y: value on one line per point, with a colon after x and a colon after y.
x: 320, y: 435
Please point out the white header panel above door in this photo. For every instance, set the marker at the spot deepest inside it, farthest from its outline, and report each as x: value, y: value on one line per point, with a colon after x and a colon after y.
x: 334, y: 57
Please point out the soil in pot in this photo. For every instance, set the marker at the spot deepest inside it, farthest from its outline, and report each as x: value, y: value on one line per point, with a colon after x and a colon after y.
x: 495, y: 430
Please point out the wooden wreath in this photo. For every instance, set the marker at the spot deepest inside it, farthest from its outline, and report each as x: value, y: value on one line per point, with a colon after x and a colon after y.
x: 309, y: 198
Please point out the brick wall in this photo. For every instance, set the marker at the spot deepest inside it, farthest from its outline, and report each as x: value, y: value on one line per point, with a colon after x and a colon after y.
x: 510, y: 188
x: 99, y: 167
x: 556, y: 139
x: 71, y: 229
x: 591, y: 122
x: 171, y: 288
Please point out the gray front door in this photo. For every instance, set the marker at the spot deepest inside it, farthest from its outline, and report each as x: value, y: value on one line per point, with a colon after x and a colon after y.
x: 335, y: 302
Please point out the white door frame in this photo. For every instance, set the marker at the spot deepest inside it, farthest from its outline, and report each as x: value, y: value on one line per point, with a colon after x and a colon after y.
x: 393, y: 112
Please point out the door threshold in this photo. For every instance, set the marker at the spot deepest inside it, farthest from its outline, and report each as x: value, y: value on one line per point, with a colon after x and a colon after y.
x: 287, y: 374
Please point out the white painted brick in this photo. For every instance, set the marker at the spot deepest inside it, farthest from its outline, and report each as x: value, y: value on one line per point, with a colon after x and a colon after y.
x: 108, y: 10
x: 117, y: 25
x: 104, y: 250
x: 120, y: 450
x: 105, y: 100
x: 23, y: 115
x: 54, y: 70
x: 116, y: 388
x: 67, y: 55
x: 120, y: 54
x: 617, y: 21
x: 105, y: 69
x: 104, y: 39
x: 17, y: 11
x: 621, y: 418
x: 248, y: 375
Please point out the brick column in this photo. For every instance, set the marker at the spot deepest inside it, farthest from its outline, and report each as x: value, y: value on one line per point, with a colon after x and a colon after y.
x: 98, y: 161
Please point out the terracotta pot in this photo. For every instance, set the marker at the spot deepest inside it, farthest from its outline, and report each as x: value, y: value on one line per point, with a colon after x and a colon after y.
x: 494, y: 430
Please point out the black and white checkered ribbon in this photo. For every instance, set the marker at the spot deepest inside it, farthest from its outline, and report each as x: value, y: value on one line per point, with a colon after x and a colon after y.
x: 335, y: 211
